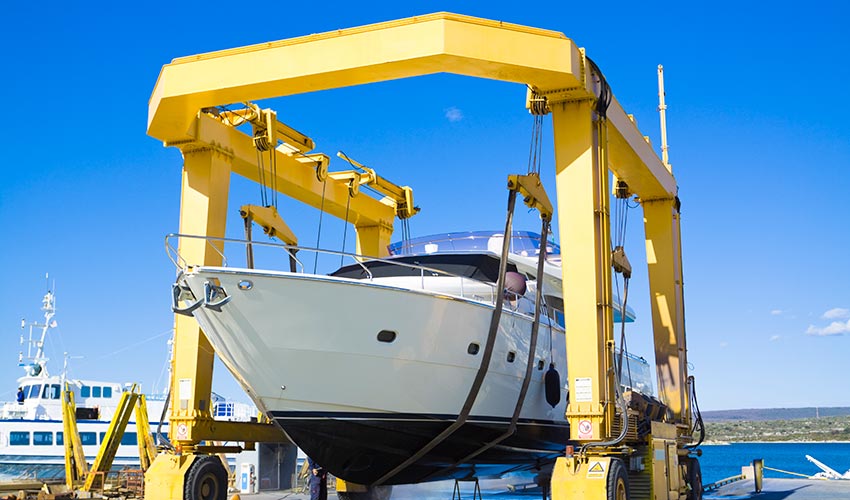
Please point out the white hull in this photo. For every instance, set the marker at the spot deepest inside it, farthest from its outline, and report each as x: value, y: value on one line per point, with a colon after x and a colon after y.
x: 305, y: 348
x: 308, y: 343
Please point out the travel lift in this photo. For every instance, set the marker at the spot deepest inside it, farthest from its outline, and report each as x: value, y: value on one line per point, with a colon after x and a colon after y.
x: 592, y: 135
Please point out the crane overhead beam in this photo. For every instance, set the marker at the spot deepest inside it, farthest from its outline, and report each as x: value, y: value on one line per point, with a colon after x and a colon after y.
x: 546, y: 60
x: 295, y: 176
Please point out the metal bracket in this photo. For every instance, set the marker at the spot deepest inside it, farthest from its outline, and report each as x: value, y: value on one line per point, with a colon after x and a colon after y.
x: 180, y: 293
x: 211, y: 293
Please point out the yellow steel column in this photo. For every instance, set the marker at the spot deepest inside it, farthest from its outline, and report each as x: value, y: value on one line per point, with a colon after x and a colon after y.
x: 373, y: 241
x: 664, y: 260
x: 583, y: 218
x: 203, y: 211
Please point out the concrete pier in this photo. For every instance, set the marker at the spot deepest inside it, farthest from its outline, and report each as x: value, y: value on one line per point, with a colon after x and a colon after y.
x: 783, y: 489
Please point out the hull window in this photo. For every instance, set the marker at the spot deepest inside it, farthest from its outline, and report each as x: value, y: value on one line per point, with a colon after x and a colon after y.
x: 473, y: 348
x: 511, y: 357
x: 386, y: 336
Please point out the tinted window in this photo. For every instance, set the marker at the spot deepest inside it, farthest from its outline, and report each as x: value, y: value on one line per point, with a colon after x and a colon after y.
x: 42, y: 438
x: 95, y: 392
x: 35, y: 391
x: 107, y: 392
x: 85, y: 392
x: 55, y: 392
x: 102, y: 436
x: 129, y: 438
x: 87, y: 438
x: 475, y: 266
x: 59, y: 439
x: 17, y: 438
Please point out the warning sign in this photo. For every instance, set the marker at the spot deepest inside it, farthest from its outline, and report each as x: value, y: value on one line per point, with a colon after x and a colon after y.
x: 182, y: 431
x: 584, y: 389
x: 585, y: 429
x: 596, y: 470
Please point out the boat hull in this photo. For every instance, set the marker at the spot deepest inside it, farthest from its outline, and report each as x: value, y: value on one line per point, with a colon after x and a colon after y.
x: 306, y: 348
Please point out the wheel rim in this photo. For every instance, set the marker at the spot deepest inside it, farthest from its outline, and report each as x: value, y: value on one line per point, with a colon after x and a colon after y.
x: 209, y: 487
x: 621, y: 490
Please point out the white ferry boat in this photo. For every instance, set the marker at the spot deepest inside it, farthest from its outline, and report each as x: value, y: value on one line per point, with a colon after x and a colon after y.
x: 31, y: 432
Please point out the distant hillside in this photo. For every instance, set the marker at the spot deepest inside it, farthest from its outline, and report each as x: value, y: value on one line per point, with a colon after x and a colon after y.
x: 762, y: 414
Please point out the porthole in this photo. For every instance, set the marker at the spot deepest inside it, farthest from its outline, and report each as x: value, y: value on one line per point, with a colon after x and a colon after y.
x: 511, y: 357
x: 387, y: 336
x: 473, y: 348
x: 245, y: 285
x: 540, y: 364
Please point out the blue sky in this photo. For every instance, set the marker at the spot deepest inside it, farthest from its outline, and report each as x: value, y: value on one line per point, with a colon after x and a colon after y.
x: 758, y: 129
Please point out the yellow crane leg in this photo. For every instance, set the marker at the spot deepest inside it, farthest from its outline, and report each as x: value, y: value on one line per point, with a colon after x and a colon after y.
x: 582, y: 187
x: 203, y: 210
x: 664, y: 260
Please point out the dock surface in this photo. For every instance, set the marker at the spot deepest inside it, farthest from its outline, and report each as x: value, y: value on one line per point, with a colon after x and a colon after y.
x: 784, y: 489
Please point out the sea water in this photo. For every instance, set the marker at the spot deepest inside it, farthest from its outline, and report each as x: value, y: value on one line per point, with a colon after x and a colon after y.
x: 717, y: 462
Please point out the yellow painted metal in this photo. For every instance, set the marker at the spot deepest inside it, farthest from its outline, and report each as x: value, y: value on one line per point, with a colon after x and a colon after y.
x: 442, y: 42
x: 667, y: 481
x: 577, y: 479
x: 664, y: 261
x: 348, y: 487
x: 147, y: 448
x: 76, y: 467
x: 586, y: 148
x: 111, y: 440
x: 533, y: 193
x: 401, y: 195
x: 209, y: 429
x: 166, y: 477
x: 271, y: 222
x: 301, y: 177
x: 203, y: 207
x: 582, y: 187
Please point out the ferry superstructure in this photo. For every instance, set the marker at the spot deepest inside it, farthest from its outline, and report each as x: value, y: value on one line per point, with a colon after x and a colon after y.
x: 31, y: 432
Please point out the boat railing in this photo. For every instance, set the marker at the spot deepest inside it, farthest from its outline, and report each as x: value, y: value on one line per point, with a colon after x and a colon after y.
x: 468, y: 290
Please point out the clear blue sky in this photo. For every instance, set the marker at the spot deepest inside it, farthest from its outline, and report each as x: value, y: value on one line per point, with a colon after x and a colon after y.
x: 758, y: 128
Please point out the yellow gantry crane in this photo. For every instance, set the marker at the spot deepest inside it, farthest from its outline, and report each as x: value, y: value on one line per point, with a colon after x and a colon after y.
x: 593, y: 136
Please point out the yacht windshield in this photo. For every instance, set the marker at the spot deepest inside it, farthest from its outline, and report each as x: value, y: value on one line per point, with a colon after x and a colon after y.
x: 525, y: 243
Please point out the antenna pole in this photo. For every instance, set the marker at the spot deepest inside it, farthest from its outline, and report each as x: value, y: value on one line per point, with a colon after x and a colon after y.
x: 662, y: 110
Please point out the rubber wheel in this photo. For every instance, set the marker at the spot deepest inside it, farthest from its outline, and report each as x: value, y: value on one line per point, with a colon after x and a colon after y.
x: 618, y: 481
x: 374, y: 493
x: 694, y: 476
x: 206, y: 480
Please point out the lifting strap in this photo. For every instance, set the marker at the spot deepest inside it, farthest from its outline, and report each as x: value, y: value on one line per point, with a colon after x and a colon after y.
x: 534, y: 196
x: 529, y: 366
x: 485, y: 358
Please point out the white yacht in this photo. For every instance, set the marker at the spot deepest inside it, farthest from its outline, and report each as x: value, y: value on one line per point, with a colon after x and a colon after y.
x: 31, y: 432
x: 368, y: 368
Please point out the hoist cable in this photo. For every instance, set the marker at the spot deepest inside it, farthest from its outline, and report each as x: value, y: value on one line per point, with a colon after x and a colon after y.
x: 261, y: 173
x: 345, y: 227
x: 319, y: 232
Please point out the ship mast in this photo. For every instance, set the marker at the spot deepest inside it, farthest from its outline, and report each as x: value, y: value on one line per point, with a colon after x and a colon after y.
x: 36, y: 364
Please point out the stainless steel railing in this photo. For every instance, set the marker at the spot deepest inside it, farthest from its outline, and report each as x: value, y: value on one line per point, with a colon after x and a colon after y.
x: 290, y: 252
